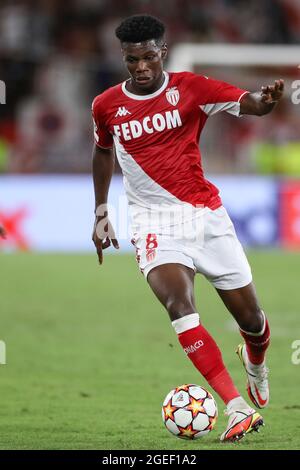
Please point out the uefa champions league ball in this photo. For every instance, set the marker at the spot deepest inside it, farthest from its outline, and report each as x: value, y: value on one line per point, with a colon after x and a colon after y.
x: 189, y: 411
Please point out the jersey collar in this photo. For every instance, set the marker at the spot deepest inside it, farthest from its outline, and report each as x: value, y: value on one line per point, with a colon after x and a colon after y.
x: 151, y: 95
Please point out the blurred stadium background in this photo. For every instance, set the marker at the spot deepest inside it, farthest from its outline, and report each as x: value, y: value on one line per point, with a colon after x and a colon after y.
x: 54, y: 58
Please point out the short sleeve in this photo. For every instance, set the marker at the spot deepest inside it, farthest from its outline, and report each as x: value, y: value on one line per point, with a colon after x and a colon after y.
x: 218, y: 96
x: 102, y: 136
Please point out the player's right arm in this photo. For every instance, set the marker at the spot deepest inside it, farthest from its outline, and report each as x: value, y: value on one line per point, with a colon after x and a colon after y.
x: 103, y: 232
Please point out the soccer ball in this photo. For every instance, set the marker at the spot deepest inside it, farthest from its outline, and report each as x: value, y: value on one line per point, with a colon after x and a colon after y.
x: 189, y: 411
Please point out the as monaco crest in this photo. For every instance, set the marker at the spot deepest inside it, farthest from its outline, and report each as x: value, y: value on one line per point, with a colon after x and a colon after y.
x: 172, y: 95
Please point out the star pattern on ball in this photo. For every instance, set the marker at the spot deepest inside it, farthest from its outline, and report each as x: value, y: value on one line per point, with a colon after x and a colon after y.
x: 185, y: 388
x: 187, y: 432
x: 195, y: 407
x: 169, y: 411
x: 212, y: 422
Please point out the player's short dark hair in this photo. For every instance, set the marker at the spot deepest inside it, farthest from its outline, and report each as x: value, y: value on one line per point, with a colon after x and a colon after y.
x: 140, y: 28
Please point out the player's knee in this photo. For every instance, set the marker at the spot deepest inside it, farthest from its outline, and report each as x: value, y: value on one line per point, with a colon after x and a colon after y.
x: 179, y: 308
x: 252, y: 321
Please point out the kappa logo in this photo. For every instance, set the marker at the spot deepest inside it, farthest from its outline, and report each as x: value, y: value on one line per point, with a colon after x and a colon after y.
x: 172, y: 95
x: 122, y: 111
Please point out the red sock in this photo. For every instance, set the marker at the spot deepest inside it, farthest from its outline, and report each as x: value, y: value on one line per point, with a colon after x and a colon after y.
x: 257, y: 344
x: 204, y: 353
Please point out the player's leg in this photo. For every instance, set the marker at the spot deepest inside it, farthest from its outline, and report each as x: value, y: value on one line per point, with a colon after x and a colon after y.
x: 173, y: 285
x: 242, y: 303
x: 221, y: 259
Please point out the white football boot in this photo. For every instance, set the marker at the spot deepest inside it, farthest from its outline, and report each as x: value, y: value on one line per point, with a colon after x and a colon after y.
x: 257, y: 379
x: 242, y: 420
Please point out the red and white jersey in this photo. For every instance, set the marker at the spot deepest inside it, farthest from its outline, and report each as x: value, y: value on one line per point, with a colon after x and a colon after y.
x: 156, y: 139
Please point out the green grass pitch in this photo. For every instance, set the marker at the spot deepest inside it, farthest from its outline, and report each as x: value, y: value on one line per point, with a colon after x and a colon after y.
x: 91, y: 354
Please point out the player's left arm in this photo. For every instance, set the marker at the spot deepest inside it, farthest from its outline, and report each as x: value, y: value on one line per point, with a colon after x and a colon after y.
x: 262, y: 102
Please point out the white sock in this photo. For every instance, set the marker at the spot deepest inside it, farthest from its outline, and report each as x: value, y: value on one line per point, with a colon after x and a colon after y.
x: 237, y: 404
x: 186, y: 323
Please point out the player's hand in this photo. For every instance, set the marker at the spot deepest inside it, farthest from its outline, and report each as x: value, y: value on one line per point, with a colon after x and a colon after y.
x: 272, y: 93
x: 103, y: 236
x: 2, y: 232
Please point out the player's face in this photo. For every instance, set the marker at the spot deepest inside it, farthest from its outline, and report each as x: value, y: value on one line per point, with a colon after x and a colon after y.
x: 144, y: 62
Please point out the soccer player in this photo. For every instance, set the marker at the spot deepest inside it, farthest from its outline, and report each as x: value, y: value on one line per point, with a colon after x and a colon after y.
x: 153, y: 122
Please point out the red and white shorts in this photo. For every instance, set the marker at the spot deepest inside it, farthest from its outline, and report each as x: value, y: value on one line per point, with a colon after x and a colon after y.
x: 213, y: 250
